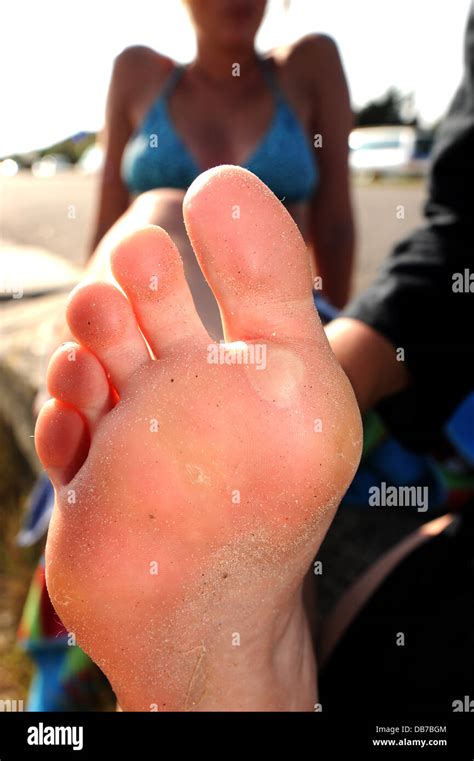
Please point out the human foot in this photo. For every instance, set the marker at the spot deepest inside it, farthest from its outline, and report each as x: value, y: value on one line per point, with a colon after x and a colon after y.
x: 193, y: 494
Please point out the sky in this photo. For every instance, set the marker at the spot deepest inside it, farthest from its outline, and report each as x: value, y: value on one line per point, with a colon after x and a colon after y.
x: 56, y: 57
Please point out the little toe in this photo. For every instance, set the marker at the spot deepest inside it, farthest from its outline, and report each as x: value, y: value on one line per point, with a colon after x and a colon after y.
x: 62, y: 441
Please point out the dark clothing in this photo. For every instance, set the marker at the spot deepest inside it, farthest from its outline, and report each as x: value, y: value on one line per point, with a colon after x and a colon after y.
x: 412, y: 301
x: 411, y: 648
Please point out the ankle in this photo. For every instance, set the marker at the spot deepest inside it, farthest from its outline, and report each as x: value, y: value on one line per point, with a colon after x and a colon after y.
x: 268, y: 666
x: 274, y: 671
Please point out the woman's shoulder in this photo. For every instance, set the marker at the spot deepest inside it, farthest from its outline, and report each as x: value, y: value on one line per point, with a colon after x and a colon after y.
x: 142, y: 61
x: 308, y: 58
x: 138, y: 64
x: 310, y: 46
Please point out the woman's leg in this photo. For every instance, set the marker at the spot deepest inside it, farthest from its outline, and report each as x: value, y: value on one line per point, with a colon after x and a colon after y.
x: 163, y: 208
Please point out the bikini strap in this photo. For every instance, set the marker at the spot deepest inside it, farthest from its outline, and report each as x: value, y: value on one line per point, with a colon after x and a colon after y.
x: 269, y: 75
x: 268, y: 72
x: 172, y: 80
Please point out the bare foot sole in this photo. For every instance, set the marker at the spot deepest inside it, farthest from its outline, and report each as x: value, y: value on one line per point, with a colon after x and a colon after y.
x: 195, y: 481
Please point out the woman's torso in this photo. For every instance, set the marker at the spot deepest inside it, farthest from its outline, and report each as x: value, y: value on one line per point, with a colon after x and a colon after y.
x: 182, y: 126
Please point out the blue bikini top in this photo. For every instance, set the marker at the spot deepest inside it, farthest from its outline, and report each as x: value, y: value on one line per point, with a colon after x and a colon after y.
x: 156, y: 156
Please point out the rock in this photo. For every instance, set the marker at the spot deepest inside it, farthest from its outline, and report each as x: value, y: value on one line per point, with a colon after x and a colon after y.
x: 34, y: 285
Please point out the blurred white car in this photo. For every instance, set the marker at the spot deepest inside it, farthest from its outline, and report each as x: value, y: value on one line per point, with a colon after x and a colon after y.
x: 8, y: 168
x: 50, y: 165
x: 92, y: 159
x: 389, y: 151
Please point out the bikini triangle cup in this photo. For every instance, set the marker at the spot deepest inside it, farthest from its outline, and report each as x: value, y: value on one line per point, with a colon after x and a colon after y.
x: 157, y: 157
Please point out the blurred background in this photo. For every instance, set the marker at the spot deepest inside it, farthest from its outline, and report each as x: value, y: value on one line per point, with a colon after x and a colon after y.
x: 403, y: 62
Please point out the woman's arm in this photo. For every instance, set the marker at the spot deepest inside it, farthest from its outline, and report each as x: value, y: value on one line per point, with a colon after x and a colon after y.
x: 331, y: 224
x: 368, y: 359
x: 113, y: 195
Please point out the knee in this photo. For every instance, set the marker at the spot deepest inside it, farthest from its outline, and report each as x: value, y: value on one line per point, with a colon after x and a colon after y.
x: 160, y: 206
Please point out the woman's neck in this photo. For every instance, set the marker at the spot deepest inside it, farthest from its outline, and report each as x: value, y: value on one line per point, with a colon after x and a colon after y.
x: 217, y: 63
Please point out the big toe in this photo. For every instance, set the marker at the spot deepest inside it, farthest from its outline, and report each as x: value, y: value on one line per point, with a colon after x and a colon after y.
x: 253, y: 256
